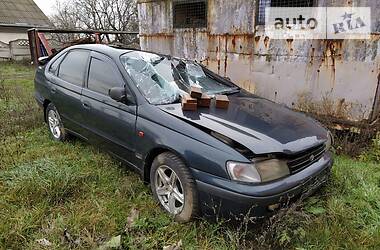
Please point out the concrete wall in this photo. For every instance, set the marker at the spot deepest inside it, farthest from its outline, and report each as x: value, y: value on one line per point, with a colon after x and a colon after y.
x: 16, y: 50
x: 337, y: 78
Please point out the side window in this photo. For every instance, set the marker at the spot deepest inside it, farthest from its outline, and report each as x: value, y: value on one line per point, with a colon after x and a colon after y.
x: 54, y: 67
x: 102, y: 77
x: 73, y: 67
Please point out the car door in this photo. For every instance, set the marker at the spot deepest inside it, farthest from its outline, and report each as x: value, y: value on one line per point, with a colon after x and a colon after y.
x: 66, y: 78
x: 111, y: 123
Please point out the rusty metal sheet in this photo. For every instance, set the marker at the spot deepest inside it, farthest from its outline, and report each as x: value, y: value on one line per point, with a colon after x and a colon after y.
x: 155, y: 17
x: 334, y: 77
x: 230, y: 17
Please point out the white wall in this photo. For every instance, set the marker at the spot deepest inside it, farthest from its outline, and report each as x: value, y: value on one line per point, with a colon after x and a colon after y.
x: 11, y: 34
x: 7, y: 37
x: 14, y: 44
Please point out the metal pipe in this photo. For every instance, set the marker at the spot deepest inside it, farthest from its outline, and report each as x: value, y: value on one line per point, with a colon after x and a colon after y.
x: 59, y: 31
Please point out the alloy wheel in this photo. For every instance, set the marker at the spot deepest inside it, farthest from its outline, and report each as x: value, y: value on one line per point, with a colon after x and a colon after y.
x: 169, y: 190
x: 54, y: 124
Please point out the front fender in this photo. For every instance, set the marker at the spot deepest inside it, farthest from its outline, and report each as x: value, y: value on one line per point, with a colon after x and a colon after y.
x: 196, y: 154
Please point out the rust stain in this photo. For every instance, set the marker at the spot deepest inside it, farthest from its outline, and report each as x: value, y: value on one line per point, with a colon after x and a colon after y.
x: 312, y: 56
x: 236, y: 43
x: 331, y: 55
x: 218, y: 54
x: 257, y: 40
x: 160, y: 35
x: 233, y: 42
x: 339, y: 43
x: 225, y: 56
x: 334, y: 47
x: 331, y: 47
x: 240, y: 36
x: 289, y: 43
x: 266, y: 42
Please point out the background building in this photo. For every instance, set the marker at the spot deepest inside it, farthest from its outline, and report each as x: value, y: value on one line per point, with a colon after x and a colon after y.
x: 16, y: 17
x: 338, y: 78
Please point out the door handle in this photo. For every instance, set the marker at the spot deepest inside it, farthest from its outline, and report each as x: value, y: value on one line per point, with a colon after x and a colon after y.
x: 53, y: 90
x: 86, y: 105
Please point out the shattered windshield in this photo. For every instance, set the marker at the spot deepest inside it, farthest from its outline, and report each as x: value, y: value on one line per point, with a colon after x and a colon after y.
x: 163, y: 80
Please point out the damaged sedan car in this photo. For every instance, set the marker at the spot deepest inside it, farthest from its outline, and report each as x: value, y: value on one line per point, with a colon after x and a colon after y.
x: 251, y: 157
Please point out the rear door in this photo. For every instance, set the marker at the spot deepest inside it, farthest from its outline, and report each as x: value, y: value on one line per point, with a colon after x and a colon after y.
x: 67, y: 77
x: 111, y: 123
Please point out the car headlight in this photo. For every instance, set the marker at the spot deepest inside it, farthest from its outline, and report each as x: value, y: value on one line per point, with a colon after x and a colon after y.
x: 245, y: 172
x: 261, y: 170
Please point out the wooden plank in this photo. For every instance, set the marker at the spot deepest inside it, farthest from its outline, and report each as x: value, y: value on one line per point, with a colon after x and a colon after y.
x: 45, y: 43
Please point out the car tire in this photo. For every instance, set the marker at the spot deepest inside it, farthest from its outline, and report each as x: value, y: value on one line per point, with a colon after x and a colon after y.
x: 176, y: 194
x: 53, y: 119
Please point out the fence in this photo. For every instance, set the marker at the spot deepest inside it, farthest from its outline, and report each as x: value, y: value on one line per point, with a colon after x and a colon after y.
x: 16, y: 50
x: 47, y: 42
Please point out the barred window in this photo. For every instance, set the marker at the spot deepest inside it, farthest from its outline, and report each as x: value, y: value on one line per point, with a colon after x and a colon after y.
x: 262, y: 4
x: 189, y: 14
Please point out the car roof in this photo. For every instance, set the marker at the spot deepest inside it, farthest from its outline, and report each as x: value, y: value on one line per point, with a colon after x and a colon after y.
x: 114, y: 52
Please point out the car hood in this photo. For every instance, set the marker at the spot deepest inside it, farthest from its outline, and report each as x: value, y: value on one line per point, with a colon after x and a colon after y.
x: 259, y: 124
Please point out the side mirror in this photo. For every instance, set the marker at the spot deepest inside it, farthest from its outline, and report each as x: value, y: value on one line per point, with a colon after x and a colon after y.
x: 118, y: 94
x: 43, y: 60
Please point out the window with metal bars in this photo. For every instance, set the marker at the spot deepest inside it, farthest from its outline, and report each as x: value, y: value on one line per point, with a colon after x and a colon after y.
x: 189, y: 14
x: 262, y: 4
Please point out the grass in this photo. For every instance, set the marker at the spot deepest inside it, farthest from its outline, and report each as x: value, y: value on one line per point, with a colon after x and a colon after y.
x: 77, y: 197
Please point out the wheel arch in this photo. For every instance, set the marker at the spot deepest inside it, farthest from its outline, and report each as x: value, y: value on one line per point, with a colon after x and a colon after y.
x: 45, y: 105
x: 152, y: 154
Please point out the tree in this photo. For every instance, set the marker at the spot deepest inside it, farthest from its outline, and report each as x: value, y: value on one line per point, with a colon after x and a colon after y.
x: 118, y: 15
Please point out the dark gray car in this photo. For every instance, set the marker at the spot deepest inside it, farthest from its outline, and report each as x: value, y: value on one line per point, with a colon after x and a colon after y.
x: 253, y: 156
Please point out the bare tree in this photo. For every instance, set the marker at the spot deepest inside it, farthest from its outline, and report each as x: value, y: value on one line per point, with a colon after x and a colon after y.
x: 118, y: 15
x: 65, y: 17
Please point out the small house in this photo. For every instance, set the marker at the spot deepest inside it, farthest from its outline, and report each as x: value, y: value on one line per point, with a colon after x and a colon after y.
x: 16, y: 17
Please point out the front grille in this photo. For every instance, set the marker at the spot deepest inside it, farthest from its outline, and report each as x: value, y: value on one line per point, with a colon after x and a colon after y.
x: 305, y: 159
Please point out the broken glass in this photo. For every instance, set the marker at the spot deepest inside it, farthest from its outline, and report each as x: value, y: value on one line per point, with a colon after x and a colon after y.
x: 163, y: 80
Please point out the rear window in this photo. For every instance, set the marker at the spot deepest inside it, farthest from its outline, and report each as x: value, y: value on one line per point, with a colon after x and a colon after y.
x: 73, y: 67
x: 102, y: 77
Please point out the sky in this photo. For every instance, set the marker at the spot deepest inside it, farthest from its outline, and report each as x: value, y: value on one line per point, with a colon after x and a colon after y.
x: 46, y: 6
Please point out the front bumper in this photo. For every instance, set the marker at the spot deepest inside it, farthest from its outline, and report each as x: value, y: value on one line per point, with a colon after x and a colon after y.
x: 219, y: 196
